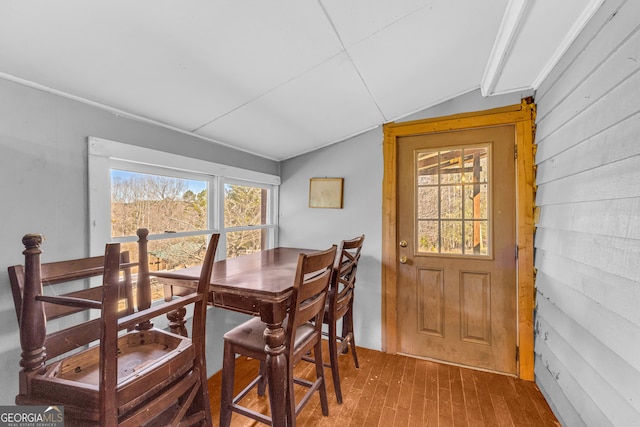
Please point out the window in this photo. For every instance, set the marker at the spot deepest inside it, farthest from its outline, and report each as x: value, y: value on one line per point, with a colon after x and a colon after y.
x: 163, y: 204
x: 180, y: 201
x: 452, y: 201
x: 174, y: 209
x: 247, y: 221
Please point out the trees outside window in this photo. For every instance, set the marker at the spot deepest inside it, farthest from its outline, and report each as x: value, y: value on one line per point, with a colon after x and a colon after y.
x: 245, y: 214
x: 178, y: 211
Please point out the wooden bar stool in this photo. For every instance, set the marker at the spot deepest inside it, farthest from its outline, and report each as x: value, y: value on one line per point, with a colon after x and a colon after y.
x: 303, y: 328
x: 340, y: 306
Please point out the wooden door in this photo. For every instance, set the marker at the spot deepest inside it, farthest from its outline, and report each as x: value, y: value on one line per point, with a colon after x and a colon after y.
x: 456, y: 291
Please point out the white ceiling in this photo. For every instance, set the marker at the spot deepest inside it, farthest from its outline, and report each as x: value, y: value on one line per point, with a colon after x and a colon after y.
x: 280, y: 78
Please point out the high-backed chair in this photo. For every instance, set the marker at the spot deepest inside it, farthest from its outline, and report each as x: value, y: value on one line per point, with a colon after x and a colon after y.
x: 115, y: 369
x: 303, y: 333
x: 340, y: 306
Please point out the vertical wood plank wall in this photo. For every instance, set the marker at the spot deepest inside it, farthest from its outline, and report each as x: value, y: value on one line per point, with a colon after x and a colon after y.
x: 587, y: 241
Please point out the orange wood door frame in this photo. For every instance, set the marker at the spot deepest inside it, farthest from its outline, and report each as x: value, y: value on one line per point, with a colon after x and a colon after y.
x: 523, y: 117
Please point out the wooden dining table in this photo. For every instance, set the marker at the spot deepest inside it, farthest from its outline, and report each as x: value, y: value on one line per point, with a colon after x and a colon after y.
x: 259, y: 284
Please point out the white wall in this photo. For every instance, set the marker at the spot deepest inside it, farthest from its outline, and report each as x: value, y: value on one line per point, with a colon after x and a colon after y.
x: 588, y: 237
x: 359, y: 161
x: 43, y: 176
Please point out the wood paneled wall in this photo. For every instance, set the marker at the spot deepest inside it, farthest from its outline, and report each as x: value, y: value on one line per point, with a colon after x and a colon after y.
x: 588, y: 233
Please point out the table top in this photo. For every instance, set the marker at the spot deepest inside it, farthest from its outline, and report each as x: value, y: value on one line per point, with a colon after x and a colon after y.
x: 267, y: 274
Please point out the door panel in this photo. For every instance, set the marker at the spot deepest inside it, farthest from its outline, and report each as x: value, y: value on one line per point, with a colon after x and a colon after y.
x: 475, y: 295
x: 457, y: 270
x: 430, y: 291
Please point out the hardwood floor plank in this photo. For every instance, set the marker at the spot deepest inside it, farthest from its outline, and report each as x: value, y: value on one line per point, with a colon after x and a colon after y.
x: 416, y: 415
x: 472, y: 405
x: 393, y: 393
x: 541, y: 405
x: 403, y: 413
x: 431, y: 388
x: 378, y: 402
x: 445, y: 409
x: 455, y: 381
x: 392, y: 390
x: 384, y: 380
x: 406, y: 390
x: 364, y: 408
x: 484, y: 399
x: 386, y: 418
x: 430, y: 413
x: 502, y: 410
x: 525, y: 411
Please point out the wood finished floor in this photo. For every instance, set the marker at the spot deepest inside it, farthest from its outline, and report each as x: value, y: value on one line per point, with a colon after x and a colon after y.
x: 391, y: 391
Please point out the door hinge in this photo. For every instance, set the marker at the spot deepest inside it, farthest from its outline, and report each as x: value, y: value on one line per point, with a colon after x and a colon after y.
x: 516, y: 254
x: 515, y: 152
x: 517, y: 354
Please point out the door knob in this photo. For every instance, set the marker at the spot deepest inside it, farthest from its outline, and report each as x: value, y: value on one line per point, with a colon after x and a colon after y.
x: 403, y: 260
x: 403, y: 243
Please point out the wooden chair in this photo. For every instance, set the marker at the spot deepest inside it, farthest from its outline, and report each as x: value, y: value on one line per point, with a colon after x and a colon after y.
x: 115, y: 369
x: 340, y: 306
x: 303, y: 333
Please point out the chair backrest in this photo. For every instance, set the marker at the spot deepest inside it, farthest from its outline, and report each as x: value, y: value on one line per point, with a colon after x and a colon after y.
x: 111, y: 326
x: 344, y: 276
x: 29, y: 282
x: 200, y: 310
x: 310, y: 288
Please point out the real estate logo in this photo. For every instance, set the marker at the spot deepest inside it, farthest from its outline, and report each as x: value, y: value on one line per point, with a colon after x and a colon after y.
x: 31, y: 416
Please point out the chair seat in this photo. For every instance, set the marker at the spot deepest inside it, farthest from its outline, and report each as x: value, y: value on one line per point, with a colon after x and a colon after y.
x: 250, y: 334
x: 147, y: 361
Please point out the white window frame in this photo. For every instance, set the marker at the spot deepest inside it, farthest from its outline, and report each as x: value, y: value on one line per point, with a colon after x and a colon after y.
x: 105, y: 155
x: 272, y: 212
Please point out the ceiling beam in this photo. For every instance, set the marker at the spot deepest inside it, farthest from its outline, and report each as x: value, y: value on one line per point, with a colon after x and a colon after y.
x: 513, y: 16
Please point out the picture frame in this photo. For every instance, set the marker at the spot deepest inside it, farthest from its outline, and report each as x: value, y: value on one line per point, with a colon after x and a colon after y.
x: 326, y: 193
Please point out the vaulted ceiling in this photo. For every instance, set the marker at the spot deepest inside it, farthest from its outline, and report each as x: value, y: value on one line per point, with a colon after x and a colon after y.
x: 282, y: 77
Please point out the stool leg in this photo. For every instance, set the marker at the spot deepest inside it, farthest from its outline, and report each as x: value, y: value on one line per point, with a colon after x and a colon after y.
x: 348, y: 321
x: 262, y: 383
x: 228, y: 374
x: 317, y: 353
x: 291, y: 399
x: 333, y: 358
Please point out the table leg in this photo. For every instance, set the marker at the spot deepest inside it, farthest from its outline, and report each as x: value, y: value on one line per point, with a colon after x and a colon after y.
x: 277, y: 372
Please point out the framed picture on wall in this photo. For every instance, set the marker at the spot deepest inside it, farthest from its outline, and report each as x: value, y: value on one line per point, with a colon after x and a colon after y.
x: 325, y: 193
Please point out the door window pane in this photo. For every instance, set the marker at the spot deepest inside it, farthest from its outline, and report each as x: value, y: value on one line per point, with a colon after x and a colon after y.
x: 452, y: 200
x: 475, y: 165
x: 428, y: 202
x: 451, y: 237
x: 476, y: 238
x: 429, y: 233
x: 476, y: 201
x: 450, y: 166
x: 427, y: 167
